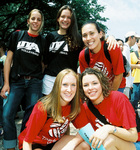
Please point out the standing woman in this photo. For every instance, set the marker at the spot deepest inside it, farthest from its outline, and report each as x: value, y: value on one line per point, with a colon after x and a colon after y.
x: 51, y: 116
x: 115, y: 124
x: 24, y: 78
x: 64, y: 47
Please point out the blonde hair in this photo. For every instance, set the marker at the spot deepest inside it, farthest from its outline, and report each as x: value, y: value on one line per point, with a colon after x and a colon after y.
x: 42, y: 18
x: 52, y: 104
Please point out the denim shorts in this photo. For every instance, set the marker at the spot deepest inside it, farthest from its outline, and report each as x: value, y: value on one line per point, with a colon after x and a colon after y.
x: 137, y: 145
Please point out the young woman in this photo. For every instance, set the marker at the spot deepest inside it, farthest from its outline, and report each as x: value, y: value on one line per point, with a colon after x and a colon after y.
x: 51, y: 117
x: 64, y: 47
x: 118, y: 130
x: 99, y: 56
x: 24, y: 78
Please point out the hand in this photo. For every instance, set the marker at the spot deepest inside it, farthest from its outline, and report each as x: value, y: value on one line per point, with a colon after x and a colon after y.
x: 6, y: 88
x: 100, y: 135
x: 112, y: 43
x: 128, y: 74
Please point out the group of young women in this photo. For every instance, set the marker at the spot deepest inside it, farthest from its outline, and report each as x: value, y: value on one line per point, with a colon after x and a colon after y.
x: 52, y: 114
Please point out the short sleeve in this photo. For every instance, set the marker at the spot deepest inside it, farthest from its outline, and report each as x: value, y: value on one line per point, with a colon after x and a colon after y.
x: 81, y: 120
x: 35, y: 123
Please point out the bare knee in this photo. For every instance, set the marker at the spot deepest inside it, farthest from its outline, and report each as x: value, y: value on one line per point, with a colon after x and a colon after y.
x: 109, y: 142
x: 83, y: 146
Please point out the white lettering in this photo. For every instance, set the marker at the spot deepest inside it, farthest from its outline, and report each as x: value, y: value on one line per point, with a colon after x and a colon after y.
x: 28, y: 46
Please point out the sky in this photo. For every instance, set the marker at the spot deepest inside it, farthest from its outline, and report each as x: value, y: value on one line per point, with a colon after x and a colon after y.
x: 124, y: 16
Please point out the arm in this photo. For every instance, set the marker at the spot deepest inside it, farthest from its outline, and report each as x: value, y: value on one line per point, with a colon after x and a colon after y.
x: 103, y: 132
x: 7, y: 68
x: 117, y: 81
x: 27, y: 146
x: 112, y: 43
x: 134, y: 66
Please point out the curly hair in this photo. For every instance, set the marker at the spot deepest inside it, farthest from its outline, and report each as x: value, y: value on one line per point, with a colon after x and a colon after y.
x: 103, y: 79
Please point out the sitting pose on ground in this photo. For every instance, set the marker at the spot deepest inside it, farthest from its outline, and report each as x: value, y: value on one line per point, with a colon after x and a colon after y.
x: 114, y: 117
x: 51, y: 117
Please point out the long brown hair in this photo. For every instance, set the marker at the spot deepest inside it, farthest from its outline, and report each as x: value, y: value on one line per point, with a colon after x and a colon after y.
x: 52, y: 104
x: 73, y: 37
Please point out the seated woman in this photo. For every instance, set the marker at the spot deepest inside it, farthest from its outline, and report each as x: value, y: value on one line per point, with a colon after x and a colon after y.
x: 114, y: 117
x: 51, y: 117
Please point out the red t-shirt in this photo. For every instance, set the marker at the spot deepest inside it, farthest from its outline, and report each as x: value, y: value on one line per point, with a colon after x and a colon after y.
x: 100, y: 61
x: 44, y: 131
x: 123, y: 83
x: 117, y: 110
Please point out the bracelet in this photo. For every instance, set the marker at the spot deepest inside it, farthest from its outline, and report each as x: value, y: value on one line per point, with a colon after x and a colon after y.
x: 115, y: 130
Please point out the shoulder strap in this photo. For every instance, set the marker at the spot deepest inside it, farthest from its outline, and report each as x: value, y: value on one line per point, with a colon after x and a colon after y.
x: 87, y: 58
x: 96, y: 112
x: 87, y: 55
x: 106, y: 51
x: 20, y: 34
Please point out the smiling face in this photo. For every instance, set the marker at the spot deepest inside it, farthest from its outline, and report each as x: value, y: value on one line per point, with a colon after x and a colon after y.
x: 91, y: 37
x: 92, y: 88
x: 34, y: 22
x: 68, y: 89
x: 64, y: 20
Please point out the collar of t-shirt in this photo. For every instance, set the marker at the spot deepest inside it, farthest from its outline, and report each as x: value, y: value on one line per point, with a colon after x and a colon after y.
x: 33, y: 35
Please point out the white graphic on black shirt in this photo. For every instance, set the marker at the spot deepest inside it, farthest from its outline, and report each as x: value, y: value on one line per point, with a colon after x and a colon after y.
x: 28, y: 47
x: 57, y: 129
x: 55, y: 46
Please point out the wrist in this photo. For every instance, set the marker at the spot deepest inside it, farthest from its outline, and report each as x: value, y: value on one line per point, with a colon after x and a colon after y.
x: 114, y: 130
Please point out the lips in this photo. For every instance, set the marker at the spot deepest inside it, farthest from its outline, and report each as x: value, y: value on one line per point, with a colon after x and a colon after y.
x: 92, y: 93
x: 90, y: 43
x: 68, y: 95
x: 35, y: 25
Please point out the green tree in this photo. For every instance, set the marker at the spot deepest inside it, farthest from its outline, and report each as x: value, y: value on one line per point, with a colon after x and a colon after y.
x: 13, y: 14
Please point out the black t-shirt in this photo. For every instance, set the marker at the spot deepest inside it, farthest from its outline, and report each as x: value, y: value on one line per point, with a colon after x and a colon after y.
x: 28, y: 56
x: 63, y: 59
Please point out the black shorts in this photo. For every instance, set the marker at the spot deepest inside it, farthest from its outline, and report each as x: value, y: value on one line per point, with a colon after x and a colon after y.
x: 47, y: 147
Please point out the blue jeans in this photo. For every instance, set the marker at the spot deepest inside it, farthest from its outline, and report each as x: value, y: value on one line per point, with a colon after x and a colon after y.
x: 135, y: 96
x: 31, y: 89
x: 121, y: 90
x: 1, y: 111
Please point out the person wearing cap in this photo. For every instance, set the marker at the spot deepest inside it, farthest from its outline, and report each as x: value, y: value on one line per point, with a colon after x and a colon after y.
x: 130, y: 40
